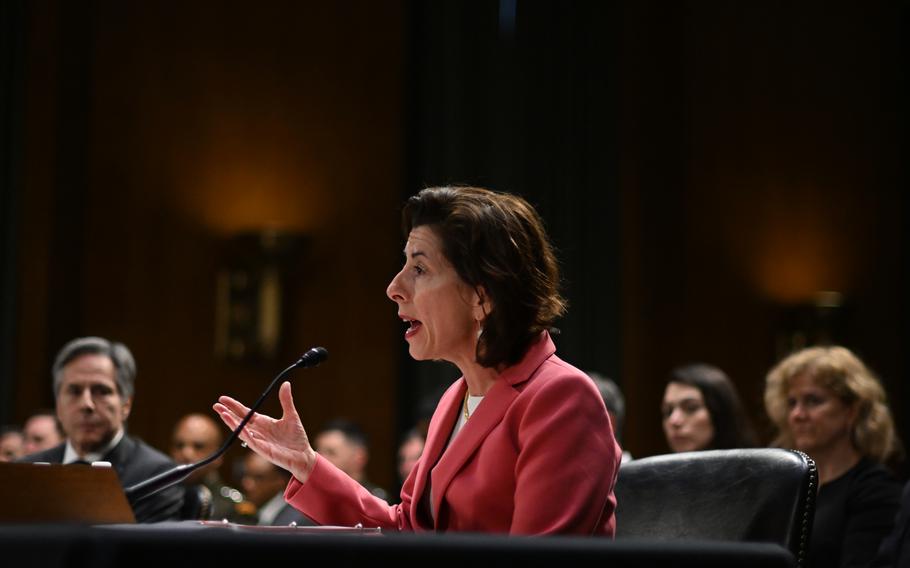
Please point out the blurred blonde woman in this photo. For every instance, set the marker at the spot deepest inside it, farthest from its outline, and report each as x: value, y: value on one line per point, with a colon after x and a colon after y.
x: 825, y: 402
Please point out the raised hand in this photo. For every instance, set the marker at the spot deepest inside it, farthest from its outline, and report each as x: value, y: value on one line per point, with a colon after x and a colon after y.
x: 283, y: 442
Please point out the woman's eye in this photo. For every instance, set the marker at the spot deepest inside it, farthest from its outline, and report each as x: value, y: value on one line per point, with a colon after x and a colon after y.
x: 812, y: 400
x: 419, y: 270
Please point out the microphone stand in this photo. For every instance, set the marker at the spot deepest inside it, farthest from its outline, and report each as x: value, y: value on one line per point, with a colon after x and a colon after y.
x: 166, y: 479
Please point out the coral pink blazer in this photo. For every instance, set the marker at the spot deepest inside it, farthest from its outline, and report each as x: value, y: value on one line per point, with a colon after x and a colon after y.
x: 538, y: 456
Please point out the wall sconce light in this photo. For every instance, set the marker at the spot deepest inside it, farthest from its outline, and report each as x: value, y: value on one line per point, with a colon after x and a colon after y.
x: 817, y: 322
x: 249, y: 294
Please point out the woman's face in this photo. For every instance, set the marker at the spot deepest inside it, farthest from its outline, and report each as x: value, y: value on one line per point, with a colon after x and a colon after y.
x: 687, y: 423
x: 818, y: 419
x: 443, y: 312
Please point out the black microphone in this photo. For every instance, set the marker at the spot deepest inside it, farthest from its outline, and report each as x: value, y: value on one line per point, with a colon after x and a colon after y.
x: 163, y: 480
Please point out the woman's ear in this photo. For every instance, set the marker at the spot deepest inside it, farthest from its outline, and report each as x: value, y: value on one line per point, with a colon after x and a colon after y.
x: 482, y: 303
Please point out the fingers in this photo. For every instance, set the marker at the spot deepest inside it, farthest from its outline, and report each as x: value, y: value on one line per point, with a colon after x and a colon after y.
x: 233, y: 421
x: 233, y: 405
x: 230, y: 419
x: 231, y: 411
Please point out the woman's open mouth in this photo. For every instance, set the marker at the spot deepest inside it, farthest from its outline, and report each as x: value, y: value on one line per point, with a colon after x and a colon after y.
x: 413, y: 327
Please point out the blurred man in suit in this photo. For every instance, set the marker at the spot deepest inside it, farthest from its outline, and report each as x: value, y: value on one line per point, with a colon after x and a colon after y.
x: 615, y: 403
x: 196, y: 436
x: 264, y: 484
x: 11, y: 443
x: 345, y: 445
x: 42, y: 431
x: 93, y: 381
x: 409, y: 453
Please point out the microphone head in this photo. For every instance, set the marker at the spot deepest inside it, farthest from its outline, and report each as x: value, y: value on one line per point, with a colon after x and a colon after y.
x: 313, y: 357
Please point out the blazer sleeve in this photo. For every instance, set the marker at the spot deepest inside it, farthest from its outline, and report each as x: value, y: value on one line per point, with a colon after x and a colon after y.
x: 568, y: 461
x: 331, y: 497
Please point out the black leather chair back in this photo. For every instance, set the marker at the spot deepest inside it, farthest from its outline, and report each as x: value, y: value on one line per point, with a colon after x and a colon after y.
x: 764, y: 495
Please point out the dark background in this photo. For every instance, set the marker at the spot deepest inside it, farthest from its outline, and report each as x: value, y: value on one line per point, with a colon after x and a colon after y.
x: 705, y: 168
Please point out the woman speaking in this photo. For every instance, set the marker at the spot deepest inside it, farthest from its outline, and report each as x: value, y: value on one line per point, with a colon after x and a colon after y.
x: 522, y: 442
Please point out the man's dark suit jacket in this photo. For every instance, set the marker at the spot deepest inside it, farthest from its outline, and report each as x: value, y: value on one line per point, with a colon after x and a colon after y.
x: 134, y: 461
x: 289, y: 514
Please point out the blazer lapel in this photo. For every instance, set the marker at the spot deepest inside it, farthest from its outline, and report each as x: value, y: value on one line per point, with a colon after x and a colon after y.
x: 118, y: 456
x: 487, y: 416
x: 437, y: 437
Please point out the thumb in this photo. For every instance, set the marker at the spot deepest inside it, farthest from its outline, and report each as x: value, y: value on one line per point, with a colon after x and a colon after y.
x: 287, y: 400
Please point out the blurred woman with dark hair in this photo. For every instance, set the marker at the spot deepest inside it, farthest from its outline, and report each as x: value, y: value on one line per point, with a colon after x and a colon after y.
x: 702, y: 411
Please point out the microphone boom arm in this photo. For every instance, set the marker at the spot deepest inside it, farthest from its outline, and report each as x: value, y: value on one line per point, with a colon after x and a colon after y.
x: 163, y: 480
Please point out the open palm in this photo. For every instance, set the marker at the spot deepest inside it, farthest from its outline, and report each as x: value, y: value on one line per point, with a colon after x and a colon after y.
x: 283, y: 441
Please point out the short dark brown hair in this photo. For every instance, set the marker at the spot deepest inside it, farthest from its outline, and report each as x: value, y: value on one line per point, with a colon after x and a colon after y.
x: 497, y: 241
